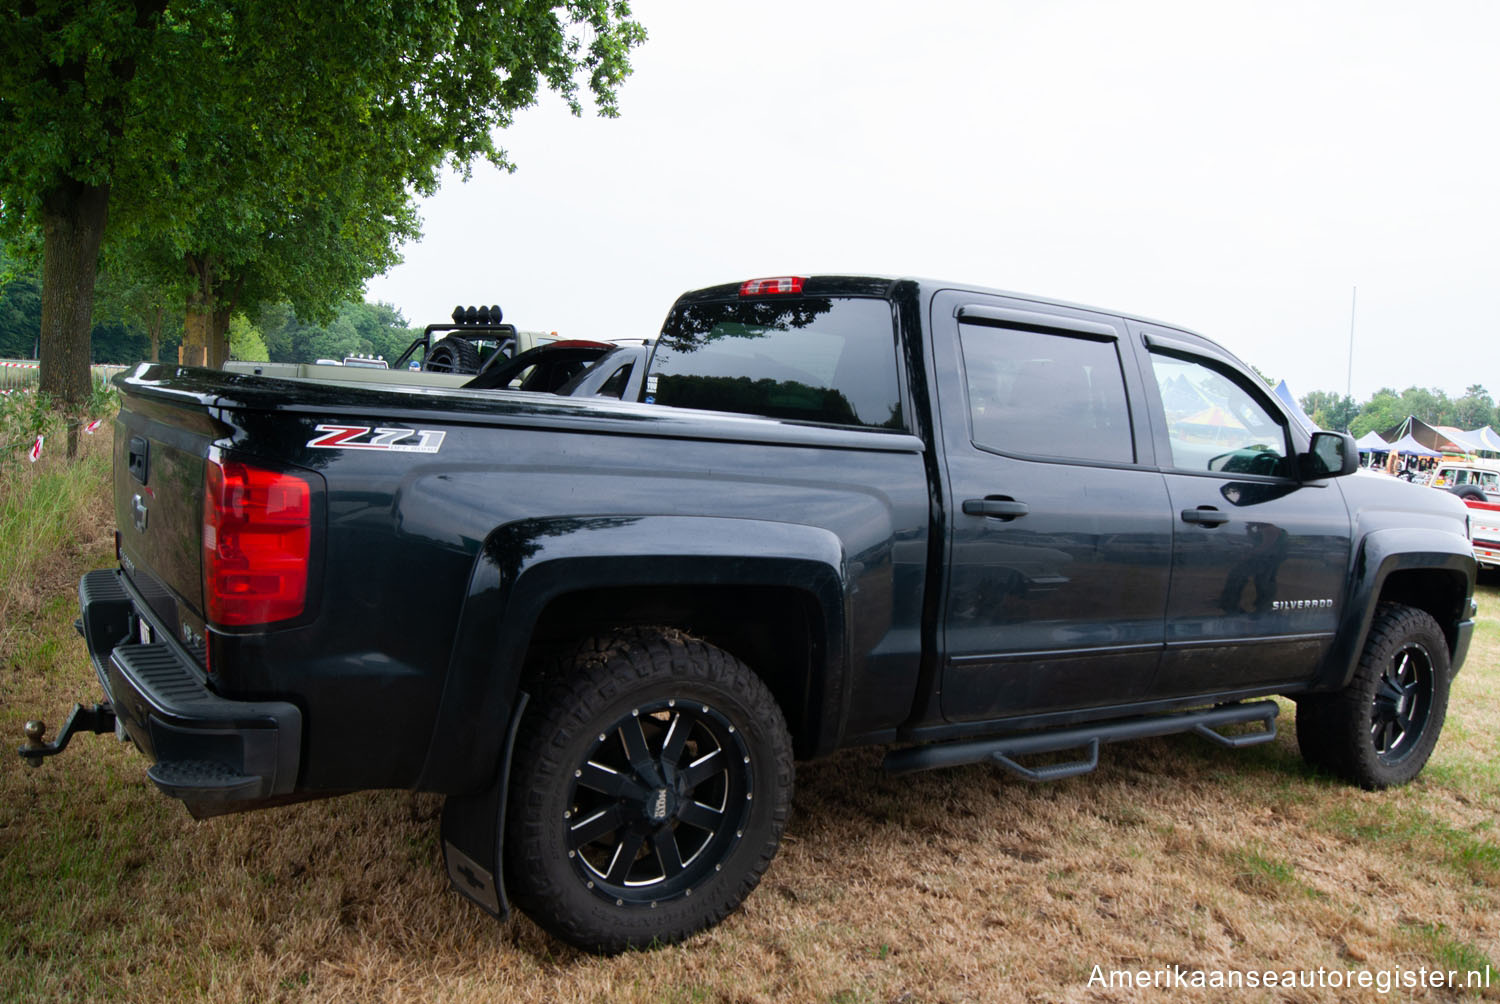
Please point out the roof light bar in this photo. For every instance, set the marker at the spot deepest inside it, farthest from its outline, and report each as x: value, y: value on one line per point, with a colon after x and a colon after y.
x: 779, y: 284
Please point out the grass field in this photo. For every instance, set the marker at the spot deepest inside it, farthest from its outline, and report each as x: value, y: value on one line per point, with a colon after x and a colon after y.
x: 964, y: 885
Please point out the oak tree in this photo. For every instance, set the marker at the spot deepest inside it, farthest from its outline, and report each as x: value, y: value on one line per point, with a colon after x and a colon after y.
x: 261, y: 149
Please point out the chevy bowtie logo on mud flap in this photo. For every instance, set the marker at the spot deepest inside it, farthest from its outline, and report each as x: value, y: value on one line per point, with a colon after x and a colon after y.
x: 352, y: 437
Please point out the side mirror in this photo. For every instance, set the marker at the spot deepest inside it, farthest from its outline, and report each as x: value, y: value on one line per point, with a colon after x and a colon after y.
x: 1331, y: 455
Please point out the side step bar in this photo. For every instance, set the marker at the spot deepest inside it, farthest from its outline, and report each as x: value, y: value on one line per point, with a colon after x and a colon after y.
x: 1087, y: 738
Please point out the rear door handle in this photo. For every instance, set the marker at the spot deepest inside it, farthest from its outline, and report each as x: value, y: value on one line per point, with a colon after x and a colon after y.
x: 1000, y: 508
x: 1205, y: 515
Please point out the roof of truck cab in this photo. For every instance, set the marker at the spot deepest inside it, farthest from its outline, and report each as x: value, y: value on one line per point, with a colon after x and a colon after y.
x: 886, y: 286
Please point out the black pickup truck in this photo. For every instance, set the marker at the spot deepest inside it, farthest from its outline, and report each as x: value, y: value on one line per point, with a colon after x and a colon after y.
x: 966, y: 525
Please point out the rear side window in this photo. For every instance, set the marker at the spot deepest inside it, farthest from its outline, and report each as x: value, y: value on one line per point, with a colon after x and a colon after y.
x: 1046, y: 395
x: 617, y: 382
x: 812, y: 359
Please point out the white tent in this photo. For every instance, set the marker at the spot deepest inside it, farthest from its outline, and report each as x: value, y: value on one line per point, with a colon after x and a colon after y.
x: 1486, y: 439
x: 1409, y: 447
x: 1284, y: 392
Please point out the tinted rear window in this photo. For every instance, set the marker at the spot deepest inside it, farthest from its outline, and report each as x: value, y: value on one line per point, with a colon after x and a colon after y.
x: 814, y: 359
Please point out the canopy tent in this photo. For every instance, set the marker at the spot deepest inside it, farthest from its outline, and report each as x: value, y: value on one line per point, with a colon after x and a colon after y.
x: 1409, y: 447
x: 1424, y: 435
x: 1486, y: 439
x: 1459, y: 438
x: 1285, y: 393
x: 1371, y: 442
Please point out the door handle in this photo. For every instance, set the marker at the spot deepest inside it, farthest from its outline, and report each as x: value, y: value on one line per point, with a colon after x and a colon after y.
x: 1205, y: 515
x: 999, y: 507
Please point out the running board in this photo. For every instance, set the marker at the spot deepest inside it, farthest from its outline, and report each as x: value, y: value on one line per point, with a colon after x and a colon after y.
x: 1087, y: 738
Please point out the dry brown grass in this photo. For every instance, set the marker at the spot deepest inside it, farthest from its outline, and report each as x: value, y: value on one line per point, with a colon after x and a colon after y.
x: 963, y: 885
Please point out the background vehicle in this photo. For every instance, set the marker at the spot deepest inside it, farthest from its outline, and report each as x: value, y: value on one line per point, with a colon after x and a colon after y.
x: 544, y: 368
x: 1468, y: 481
x: 1484, y: 528
x: 844, y: 510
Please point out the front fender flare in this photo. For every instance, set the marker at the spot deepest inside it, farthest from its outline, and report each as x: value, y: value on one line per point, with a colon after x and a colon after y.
x: 1381, y: 554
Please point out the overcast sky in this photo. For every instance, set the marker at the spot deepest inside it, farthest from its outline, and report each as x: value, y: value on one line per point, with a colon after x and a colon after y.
x: 1234, y: 168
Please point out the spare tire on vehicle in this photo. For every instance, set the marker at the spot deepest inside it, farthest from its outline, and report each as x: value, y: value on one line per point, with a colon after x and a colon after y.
x: 452, y: 355
x: 1468, y: 492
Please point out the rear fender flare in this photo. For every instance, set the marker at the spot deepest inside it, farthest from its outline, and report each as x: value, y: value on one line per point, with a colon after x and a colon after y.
x: 525, y: 565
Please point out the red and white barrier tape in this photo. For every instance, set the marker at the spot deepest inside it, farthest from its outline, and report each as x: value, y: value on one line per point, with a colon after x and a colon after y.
x: 34, y: 454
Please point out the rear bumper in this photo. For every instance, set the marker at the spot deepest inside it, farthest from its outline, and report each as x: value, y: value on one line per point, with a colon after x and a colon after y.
x: 206, y: 748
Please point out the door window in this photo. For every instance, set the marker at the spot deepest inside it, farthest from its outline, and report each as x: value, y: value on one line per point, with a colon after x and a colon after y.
x: 1046, y: 395
x: 1214, y: 424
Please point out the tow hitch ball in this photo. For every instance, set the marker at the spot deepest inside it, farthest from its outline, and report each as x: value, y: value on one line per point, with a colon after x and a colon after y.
x: 100, y: 719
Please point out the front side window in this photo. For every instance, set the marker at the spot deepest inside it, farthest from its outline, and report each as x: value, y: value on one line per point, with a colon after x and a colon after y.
x: 1214, y: 424
x: 813, y: 359
x: 1046, y: 395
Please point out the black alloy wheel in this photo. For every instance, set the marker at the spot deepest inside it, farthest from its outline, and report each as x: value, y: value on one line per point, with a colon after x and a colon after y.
x: 658, y: 802
x: 1380, y: 730
x: 1403, y: 703
x: 650, y: 784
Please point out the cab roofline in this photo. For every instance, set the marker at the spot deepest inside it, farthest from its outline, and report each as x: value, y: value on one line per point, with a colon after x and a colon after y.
x: 885, y: 286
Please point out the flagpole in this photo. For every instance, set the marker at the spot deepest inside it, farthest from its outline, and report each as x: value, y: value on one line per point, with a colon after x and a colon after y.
x: 1349, y: 385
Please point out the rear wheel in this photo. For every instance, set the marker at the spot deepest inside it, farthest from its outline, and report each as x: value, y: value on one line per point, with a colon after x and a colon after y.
x: 1381, y: 729
x: 650, y: 790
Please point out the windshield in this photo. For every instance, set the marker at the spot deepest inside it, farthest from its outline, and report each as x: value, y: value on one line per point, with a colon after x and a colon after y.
x: 814, y: 359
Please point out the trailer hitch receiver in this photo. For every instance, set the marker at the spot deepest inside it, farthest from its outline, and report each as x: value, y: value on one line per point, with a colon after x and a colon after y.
x: 100, y: 719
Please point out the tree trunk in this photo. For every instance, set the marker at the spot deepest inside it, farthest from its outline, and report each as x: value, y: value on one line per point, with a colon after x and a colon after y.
x: 197, y: 324
x: 155, y: 326
x: 73, y: 220
x: 205, y: 332
x: 219, y: 343
x: 196, y: 333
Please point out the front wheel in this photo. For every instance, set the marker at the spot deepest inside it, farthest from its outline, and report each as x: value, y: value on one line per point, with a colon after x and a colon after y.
x: 1382, y: 728
x: 650, y: 789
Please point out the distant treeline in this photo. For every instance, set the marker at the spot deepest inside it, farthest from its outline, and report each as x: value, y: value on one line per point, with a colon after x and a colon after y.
x: 1387, y: 408
x: 121, y: 334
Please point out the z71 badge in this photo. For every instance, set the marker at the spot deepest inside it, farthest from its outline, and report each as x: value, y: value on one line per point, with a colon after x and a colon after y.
x: 362, y: 437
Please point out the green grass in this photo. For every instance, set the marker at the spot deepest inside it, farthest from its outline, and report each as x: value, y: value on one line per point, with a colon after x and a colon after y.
x: 43, y: 508
x: 1471, y: 853
x: 1451, y: 954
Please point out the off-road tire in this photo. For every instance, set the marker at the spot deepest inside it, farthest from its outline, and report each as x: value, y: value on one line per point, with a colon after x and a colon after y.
x: 452, y: 355
x: 1380, y: 730
x: 642, y: 686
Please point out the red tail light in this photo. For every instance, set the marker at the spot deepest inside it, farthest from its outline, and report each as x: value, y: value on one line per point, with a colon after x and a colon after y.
x: 257, y: 537
x: 781, y: 284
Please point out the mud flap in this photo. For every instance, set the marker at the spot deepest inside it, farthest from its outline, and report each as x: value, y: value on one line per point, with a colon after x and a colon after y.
x: 473, y: 832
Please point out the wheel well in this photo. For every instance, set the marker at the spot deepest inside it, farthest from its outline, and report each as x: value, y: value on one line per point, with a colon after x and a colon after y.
x: 777, y: 632
x: 1440, y: 593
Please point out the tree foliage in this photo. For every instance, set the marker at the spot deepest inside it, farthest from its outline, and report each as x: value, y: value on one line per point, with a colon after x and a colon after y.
x: 249, y: 151
x: 1330, y: 410
x: 356, y: 327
